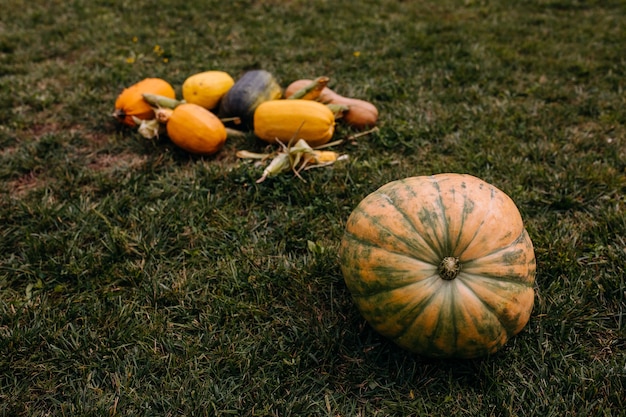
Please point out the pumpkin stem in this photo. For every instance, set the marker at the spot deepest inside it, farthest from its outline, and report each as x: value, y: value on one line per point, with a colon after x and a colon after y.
x: 449, y: 268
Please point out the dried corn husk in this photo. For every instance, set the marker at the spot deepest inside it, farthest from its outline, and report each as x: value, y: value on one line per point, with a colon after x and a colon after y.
x: 296, y: 158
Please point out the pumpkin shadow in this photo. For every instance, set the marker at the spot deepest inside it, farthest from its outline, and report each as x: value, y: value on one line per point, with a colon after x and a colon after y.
x: 391, y: 365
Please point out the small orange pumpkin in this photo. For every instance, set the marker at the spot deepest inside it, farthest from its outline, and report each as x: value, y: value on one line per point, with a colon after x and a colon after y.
x: 195, y: 129
x: 130, y: 102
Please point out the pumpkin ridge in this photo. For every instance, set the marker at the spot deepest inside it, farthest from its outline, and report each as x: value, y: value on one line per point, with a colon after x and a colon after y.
x: 497, y: 198
x: 477, y: 231
x: 458, y: 250
x: 444, y: 249
x: 365, y: 242
x: 406, y: 313
x: 511, y: 324
x: 445, y: 317
x: 454, y: 243
x: 469, y: 263
x: 488, y: 307
x: 387, y: 289
x: 436, y: 247
x: 453, y: 248
x: 432, y: 260
x: 496, y: 250
x: 493, y: 193
x: 453, y: 318
x: 503, y: 278
x: 416, y: 311
x: 422, y: 303
x: 447, y: 248
x: 356, y: 269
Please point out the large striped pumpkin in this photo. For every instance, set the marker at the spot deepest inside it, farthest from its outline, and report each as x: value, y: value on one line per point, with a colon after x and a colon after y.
x: 442, y: 265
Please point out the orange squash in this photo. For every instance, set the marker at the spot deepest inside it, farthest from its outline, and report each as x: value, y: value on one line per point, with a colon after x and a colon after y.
x: 195, y: 129
x: 130, y: 103
x: 360, y: 114
x: 442, y: 265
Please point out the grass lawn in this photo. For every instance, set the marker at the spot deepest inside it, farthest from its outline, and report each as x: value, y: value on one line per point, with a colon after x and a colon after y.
x: 138, y: 280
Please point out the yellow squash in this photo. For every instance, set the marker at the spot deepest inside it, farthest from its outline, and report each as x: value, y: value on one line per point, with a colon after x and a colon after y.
x: 130, y: 103
x: 207, y: 88
x: 285, y: 120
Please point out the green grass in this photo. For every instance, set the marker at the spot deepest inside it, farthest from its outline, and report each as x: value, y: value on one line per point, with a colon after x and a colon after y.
x: 138, y: 280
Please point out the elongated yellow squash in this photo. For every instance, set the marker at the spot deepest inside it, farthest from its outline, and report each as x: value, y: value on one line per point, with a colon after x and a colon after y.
x: 285, y: 120
x: 195, y: 129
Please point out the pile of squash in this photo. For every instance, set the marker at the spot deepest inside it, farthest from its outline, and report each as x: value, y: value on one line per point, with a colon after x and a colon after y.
x: 211, y: 100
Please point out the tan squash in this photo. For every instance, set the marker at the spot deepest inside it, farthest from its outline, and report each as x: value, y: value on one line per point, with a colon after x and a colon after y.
x: 195, y: 129
x: 285, y: 120
x: 130, y: 104
x: 361, y: 114
x: 207, y: 88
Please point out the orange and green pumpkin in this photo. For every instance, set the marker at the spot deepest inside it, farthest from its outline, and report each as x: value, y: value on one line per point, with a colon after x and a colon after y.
x: 130, y: 103
x: 442, y: 265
